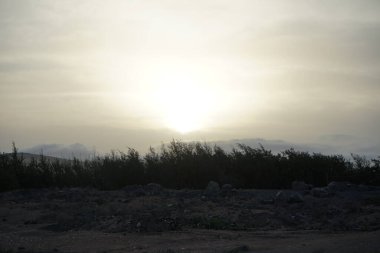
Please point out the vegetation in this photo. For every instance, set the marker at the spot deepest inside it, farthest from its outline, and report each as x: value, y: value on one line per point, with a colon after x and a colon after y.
x: 188, y: 165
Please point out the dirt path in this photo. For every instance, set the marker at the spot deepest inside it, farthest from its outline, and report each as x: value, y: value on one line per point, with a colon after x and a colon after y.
x: 192, y: 241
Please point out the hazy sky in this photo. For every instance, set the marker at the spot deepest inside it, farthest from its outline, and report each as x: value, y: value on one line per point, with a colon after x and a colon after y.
x: 113, y: 74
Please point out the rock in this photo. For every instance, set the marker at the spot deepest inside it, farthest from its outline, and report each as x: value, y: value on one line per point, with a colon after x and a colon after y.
x: 227, y: 190
x: 301, y: 186
x: 267, y: 201
x: 212, y: 189
x: 363, y: 187
x: 280, y: 196
x: 295, y: 198
x: 153, y: 189
x: 134, y: 190
x: 138, y: 192
x: 339, y: 186
x: 227, y: 187
x: 242, y: 248
x: 138, y: 226
x: 320, y: 192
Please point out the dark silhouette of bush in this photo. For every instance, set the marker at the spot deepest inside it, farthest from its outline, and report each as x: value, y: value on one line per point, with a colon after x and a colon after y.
x: 188, y: 165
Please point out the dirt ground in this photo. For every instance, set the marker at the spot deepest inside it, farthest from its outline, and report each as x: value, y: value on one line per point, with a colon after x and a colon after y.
x: 152, y: 219
x: 193, y: 241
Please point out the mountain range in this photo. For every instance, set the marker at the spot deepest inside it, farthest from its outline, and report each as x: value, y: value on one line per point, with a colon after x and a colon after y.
x: 344, y: 145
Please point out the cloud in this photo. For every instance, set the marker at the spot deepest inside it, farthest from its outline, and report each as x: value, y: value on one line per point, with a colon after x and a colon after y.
x: 290, y: 70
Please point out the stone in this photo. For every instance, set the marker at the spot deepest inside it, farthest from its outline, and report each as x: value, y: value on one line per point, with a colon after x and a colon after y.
x: 139, y: 192
x: 301, y: 186
x: 227, y: 190
x: 295, y: 198
x: 267, y: 201
x: 134, y: 190
x: 153, y: 189
x: 320, y: 192
x: 280, y: 196
x: 339, y: 186
x: 227, y: 187
x: 363, y: 187
x: 212, y: 189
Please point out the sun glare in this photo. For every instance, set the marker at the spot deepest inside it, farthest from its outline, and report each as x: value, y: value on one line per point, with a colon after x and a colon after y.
x: 183, y: 102
x: 168, y: 93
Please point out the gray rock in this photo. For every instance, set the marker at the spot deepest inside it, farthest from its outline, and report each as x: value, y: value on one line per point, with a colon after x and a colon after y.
x: 295, y: 198
x: 153, y: 189
x: 139, y: 192
x: 339, y: 186
x: 320, y: 192
x: 227, y: 190
x: 301, y: 186
x: 134, y: 190
x: 280, y: 196
x: 212, y: 189
x: 363, y: 187
x: 227, y: 187
x: 267, y: 201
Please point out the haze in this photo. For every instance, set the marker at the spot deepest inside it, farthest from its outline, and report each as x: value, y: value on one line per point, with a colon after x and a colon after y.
x: 117, y: 74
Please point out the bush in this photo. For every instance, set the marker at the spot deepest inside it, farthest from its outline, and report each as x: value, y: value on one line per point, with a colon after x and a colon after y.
x: 188, y: 165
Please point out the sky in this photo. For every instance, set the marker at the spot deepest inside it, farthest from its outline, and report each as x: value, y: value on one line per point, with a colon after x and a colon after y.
x: 137, y: 73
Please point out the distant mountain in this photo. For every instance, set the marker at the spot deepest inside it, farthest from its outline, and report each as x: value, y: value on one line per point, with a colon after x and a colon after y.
x: 77, y: 150
x: 27, y: 157
x: 333, y: 144
x: 275, y: 146
x: 342, y: 146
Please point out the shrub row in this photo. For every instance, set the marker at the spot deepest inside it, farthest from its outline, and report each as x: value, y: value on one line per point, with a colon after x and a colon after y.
x: 188, y: 165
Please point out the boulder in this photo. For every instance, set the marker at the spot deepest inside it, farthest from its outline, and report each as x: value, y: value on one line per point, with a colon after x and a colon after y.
x: 280, y: 196
x: 295, y: 198
x: 134, y: 190
x: 289, y: 197
x: 339, y: 186
x: 267, y: 201
x: 139, y: 192
x: 363, y: 187
x: 320, y: 192
x: 212, y: 189
x: 227, y: 190
x: 301, y: 186
x: 153, y: 189
x: 227, y: 187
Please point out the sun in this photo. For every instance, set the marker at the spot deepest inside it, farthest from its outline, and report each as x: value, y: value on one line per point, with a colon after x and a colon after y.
x: 170, y: 94
x: 183, y: 123
x: 184, y: 104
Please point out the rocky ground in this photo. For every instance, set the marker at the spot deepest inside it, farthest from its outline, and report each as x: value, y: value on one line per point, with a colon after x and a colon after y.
x: 337, y: 218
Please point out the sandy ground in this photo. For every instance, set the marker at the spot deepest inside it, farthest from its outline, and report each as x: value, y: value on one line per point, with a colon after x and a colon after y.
x: 193, y: 241
x: 163, y: 221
